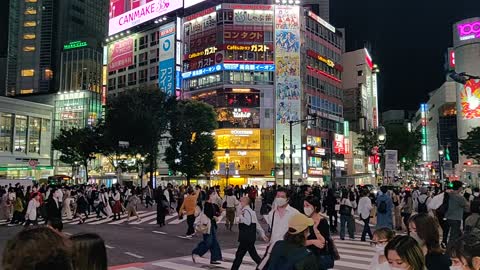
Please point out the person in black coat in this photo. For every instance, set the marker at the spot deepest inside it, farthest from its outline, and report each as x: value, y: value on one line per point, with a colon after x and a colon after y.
x: 54, y: 210
x: 162, y: 206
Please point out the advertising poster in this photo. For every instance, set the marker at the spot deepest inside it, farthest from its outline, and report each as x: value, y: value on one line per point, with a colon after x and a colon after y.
x: 166, y: 70
x: 470, y: 100
x: 120, y: 54
x: 125, y: 14
x: 288, y: 84
x: 391, y: 158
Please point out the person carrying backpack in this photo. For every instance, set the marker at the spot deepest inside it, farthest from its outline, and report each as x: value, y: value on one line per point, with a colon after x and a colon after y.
x: 291, y: 253
x: 384, y: 209
x: 420, y: 205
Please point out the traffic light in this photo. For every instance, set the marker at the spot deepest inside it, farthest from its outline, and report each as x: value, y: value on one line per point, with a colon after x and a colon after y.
x: 170, y: 172
x: 272, y: 172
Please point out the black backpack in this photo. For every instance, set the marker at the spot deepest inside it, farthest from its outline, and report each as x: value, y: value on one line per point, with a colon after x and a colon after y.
x: 422, y: 207
x: 382, y: 207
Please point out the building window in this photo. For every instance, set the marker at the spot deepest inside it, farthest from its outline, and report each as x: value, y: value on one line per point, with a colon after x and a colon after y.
x: 132, y: 78
x: 26, y: 91
x: 29, y: 48
x: 121, y: 81
x: 20, y: 133
x: 28, y: 72
x: 360, y: 73
x: 142, y: 75
x: 30, y: 24
x: 30, y: 11
x: 45, y: 137
x: 5, y: 132
x: 34, y: 126
x: 29, y: 36
x: 30, y: 1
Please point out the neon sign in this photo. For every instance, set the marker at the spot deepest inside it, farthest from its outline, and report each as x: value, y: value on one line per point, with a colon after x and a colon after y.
x: 252, y: 48
x: 228, y: 67
x: 207, y: 51
x: 321, y: 58
x: 75, y: 45
x: 241, y: 113
x: 469, y: 30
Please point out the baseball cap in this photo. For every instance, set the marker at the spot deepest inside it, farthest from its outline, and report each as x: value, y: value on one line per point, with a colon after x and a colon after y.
x: 299, y: 223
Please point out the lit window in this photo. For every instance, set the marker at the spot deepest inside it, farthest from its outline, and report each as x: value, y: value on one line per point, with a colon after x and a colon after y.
x: 30, y: 1
x: 30, y: 24
x: 29, y: 36
x: 26, y: 91
x: 28, y: 72
x: 29, y: 48
x: 30, y: 11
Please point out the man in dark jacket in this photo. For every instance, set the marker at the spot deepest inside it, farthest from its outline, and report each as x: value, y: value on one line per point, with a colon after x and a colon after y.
x: 54, y: 210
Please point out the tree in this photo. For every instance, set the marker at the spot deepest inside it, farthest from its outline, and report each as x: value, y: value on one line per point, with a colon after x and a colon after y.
x: 407, y: 143
x: 470, y: 146
x: 191, y: 146
x: 139, y: 117
x: 367, y: 142
x: 77, y: 146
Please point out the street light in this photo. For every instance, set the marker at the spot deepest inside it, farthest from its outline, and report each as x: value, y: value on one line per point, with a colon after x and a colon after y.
x: 381, y: 139
x: 140, y: 158
x: 441, y: 152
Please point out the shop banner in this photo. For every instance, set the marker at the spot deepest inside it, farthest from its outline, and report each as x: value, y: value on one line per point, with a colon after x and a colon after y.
x: 166, y: 70
x: 288, y: 89
x: 120, y: 54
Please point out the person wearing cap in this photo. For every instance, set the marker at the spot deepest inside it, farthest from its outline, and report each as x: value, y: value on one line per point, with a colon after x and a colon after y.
x: 291, y: 253
x: 422, y: 199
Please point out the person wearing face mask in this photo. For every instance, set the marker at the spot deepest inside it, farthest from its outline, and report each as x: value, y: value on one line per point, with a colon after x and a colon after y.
x: 291, y: 253
x: 277, y: 221
x: 404, y: 253
x: 247, y: 234
x: 425, y: 230
x: 465, y: 252
x: 380, y: 239
x: 318, y: 240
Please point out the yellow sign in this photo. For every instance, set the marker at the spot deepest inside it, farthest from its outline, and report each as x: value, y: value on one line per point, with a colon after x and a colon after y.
x: 329, y: 62
x: 207, y: 51
x: 252, y: 48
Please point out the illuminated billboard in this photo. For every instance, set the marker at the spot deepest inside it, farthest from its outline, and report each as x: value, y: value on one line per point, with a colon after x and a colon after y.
x: 189, y: 3
x: 125, y: 14
x: 470, y: 100
x: 228, y: 67
x: 288, y: 88
x: 120, y: 54
x: 469, y: 30
x: 166, y: 66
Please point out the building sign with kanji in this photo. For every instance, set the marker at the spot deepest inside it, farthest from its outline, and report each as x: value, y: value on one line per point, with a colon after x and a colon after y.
x: 252, y: 48
x: 252, y: 17
x: 166, y: 70
x: 243, y: 36
x: 339, y: 144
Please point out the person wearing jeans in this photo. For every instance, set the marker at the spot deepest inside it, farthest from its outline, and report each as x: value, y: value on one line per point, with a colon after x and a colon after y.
x: 364, y: 208
x: 454, y: 215
x: 346, y: 216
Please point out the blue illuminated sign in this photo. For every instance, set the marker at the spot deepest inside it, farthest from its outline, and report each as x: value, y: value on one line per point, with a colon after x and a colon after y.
x: 229, y: 67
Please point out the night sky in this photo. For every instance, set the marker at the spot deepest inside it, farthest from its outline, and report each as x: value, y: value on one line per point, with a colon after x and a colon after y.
x: 408, y: 40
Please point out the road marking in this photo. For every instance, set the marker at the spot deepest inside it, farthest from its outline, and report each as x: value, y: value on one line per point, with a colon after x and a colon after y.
x: 159, y: 232
x: 109, y: 247
x: 177, y: 221
x: 172, y: 265
x: 134, y: 255
x: 184, y: 237
x: 138, y: 228
x: 67, y: 233
x: 125, y: 220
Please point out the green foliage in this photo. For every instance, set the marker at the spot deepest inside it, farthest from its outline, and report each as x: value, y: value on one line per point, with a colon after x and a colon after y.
x: 367, y: 142
x: 470, y: 146
x: 191, y: 144
x: 77, y: 146
x: 407, y: 143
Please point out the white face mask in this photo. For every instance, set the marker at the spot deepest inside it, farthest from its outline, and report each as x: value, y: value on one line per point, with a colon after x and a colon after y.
x: 456, y: 267
x: 308, y: 211
x: 395, y: 268
x: 380, y: 249
x: 280, y: 201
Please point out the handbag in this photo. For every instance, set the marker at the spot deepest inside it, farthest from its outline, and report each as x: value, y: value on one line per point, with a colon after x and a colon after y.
x: 332, y: 249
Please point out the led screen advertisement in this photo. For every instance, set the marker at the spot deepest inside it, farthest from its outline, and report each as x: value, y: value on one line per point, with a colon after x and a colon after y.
x: 288, y: 89
x: 166, y: 68
x: 120, y: 54
x: 125, y: 14
x: 470, y: 100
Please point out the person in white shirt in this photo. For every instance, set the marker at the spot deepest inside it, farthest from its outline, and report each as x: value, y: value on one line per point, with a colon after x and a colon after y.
x: 277, y: 221
x: 347, y: 206
x: 364, y: 209
x: 31, y: 214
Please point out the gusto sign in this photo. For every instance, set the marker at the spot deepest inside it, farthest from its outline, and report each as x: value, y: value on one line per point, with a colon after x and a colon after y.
x: 468, y: 31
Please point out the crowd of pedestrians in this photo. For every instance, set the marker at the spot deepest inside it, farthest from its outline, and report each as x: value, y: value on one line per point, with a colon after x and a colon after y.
x: 415, y: 229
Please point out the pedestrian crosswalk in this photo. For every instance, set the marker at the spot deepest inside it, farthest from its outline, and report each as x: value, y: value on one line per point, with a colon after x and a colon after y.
x: 354, y: 255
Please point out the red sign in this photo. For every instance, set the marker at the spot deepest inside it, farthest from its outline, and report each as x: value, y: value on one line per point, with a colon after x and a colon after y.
x: 247, y: 7
x: 104, y: 95
x: 451, y: 59
x: 339, y: 144
x: 374, y: 159
x: 347, y: 145
x: 120, y: 54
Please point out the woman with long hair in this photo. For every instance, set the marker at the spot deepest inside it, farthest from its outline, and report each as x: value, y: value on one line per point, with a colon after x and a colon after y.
x: 406, y: 207
x: 89, y: 252
x: 117, y: 204
x: 425, y: 229
x: 465, y: 252
x: 403, y: 252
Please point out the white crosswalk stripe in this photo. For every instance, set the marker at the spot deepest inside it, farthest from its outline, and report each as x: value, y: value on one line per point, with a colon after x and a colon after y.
x: 354, y: 255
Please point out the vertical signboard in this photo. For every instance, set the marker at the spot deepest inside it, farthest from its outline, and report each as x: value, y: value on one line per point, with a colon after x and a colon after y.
x: 470, y: 100
x: 288, y: 89
x: 375, y: 100
x: 166, y: 70
x: 391, y: 159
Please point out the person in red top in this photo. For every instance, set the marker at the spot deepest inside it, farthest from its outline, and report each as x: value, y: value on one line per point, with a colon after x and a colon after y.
x: 252, y: 195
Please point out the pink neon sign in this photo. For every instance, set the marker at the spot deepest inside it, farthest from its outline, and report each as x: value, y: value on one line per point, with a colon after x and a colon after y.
x: 468, y: 31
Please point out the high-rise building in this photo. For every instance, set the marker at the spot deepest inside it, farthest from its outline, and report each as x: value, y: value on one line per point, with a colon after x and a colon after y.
x: 40, y: 31
x: 246, y: 61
